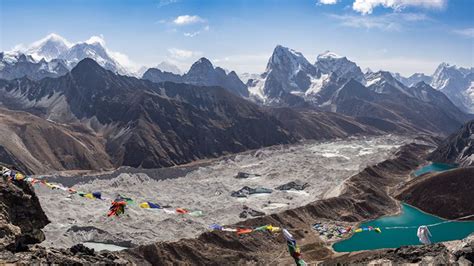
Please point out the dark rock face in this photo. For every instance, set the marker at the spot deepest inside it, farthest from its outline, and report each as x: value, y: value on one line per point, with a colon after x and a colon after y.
x: 202, y: 73
x: 447, y: 194
x: 21, y: 216
x: 458, y: 148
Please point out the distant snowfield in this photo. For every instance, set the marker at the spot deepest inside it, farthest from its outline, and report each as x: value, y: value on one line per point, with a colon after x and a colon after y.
x: 324, y: 166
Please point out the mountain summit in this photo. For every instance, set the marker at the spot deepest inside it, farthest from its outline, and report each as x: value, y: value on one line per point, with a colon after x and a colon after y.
x: 48, y: 48
x: 330, y: 62
x: 202, y: 73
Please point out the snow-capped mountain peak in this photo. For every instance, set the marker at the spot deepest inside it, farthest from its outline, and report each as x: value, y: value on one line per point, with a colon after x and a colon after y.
x: 284, y: 57
x: 56, y: 47
x: 456, y: 83
x: 330, y: 62
x: 384, y: 82
x: 49, y: 47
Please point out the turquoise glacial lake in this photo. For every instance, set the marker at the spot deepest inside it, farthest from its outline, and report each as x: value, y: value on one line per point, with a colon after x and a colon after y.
x: 434, y: 167
x: 394, y: 238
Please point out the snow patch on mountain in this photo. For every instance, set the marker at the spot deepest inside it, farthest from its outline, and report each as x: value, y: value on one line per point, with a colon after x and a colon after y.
x: 317, y: 84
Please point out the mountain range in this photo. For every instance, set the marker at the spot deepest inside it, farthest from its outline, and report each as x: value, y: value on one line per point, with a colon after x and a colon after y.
x: 167, y: 118
x: 288, y: 72
x: 139, y: 123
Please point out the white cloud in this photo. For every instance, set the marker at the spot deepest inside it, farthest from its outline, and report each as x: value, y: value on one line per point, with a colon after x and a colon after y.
x: 96, y: 39
x: 327, y: 2
x: 196, y: 33
x: 182, y: 54
x: 187, y: 20
x: 468, y: 32
x: 367, y: 6
x: 387, y: 22
x: 124, y: 60
x: 242, y: 63
x: 162, y: 3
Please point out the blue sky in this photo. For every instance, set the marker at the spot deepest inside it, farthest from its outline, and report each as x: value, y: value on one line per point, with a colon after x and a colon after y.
x: 404, y: 36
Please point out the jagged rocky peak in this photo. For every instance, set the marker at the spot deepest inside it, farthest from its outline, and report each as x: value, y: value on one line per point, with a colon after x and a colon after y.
x: 330, y: 62
x: 379, y: 77
x: 203, y: 73
x: 384, y: 82
x: 90, y: 72
x: 284, y: 58
x: 443, y: 73
x: 202, y: 63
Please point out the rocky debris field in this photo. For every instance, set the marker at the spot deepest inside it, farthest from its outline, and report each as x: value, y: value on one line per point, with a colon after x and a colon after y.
x: 321, y: 167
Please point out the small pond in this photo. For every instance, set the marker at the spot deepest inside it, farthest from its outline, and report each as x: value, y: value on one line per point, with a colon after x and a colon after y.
x: 397, y: 237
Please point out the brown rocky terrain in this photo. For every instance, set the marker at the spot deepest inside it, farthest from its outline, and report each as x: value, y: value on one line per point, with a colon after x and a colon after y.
x: 33, y: 144
x: 447, y: 194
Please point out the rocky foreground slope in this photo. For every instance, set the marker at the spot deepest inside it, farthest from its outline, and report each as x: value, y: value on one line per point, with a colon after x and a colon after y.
x: 21, y: 221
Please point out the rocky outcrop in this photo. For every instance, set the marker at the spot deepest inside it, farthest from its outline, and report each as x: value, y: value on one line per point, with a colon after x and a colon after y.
x: 458, y: 148
x: 447, y: 194
x: 21, y: 216
x: 76, y: 255
x: 21, y: 224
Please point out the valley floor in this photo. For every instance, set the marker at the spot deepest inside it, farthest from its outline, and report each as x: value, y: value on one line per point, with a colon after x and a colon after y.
x: 323, y: 165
